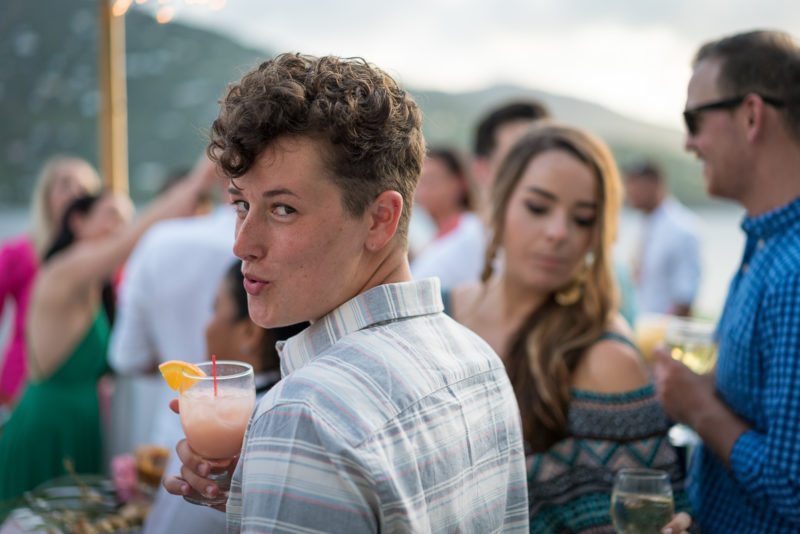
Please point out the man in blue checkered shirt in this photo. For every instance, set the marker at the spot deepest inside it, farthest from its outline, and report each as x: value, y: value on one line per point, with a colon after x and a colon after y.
x: 743, y: 120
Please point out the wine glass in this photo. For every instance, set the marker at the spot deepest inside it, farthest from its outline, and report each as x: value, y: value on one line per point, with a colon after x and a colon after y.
x: 641, y: 501
x: 214, y: 416
x: 691, y: 341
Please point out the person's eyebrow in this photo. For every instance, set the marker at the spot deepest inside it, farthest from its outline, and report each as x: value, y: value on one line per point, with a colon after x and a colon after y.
x: 271, y: 193
x: 547, y: 194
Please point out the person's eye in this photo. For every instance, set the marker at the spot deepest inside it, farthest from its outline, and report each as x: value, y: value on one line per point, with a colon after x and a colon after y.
x: 536, y: 209
x: 586, y: 222
x: 282, y: 210
x: 241, y: 207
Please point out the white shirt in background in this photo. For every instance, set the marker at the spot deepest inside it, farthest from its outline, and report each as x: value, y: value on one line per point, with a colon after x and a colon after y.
x: 457, y: 257
x: 165, y: 301
x: 668, y: 270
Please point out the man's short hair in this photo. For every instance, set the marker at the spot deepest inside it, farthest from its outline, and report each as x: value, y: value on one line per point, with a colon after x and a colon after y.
x: 486, y: 133
x: 373, y: 128
x: 763, y: 62
x: 645, y: 169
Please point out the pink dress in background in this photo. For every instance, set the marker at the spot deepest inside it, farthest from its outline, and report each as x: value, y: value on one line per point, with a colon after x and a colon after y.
x: 18, y: 266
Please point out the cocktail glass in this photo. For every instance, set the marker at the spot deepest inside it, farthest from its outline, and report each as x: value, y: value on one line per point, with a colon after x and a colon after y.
x: 215, y: 421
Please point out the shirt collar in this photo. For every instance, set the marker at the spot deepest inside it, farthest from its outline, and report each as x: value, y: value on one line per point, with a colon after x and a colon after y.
x: 381, y: 304
x: 772, y: 222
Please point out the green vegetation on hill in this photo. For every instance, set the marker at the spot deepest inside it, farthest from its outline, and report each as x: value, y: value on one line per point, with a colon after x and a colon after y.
x: 176, y: 75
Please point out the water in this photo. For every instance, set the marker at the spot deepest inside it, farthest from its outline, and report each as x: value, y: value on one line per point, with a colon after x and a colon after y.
x: 13, y: 220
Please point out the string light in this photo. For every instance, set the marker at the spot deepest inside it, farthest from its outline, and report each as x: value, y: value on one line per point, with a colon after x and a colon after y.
x: 165, y: 11
x: 120, y: 7
x: 165, y: 14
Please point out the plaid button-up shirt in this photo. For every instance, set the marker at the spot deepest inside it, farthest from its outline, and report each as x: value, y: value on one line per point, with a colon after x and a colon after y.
x: 391, y: 417
x: 758, y: 377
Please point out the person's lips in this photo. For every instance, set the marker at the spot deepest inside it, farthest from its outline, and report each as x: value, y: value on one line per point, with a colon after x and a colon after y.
x: 549, y: 262
x: 254, y: 285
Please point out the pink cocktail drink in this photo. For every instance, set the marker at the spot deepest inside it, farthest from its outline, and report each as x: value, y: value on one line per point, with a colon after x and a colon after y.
x: 215, y: 411
x: 215, y: 426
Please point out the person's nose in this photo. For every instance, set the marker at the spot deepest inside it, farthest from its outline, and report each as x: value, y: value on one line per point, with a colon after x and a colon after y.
x: 557, y: 227
x: 248, y: 245
x: 688, y: 143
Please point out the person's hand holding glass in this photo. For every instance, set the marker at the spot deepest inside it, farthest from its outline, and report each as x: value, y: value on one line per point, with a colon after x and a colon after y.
x: 691, y: 342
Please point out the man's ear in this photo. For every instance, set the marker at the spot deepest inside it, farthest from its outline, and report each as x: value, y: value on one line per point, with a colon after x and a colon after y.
x: 754, y: 109
x: 384, y: 217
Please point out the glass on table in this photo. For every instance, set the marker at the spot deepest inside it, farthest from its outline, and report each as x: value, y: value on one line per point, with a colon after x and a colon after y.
x: 214, y: 416
x: 641, y: 501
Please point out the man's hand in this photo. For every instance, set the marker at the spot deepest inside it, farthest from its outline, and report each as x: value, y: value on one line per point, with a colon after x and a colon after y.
x: 680, y: 524
x: 680, y: 391
x: 691, y: 399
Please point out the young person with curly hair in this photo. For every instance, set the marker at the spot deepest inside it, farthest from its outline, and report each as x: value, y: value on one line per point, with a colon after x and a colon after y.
x: 390, y: 416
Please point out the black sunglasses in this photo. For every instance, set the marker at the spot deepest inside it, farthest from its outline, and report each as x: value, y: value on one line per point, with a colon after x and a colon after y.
x: 691, y: 116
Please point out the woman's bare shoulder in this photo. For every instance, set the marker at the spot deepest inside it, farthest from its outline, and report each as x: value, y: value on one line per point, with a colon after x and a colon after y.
x: 612, y: 365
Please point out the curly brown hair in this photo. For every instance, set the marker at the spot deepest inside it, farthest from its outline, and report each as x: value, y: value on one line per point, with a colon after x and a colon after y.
x: 372, y: 126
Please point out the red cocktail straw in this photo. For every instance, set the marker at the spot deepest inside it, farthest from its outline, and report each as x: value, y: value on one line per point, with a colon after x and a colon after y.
x: 214, y: 372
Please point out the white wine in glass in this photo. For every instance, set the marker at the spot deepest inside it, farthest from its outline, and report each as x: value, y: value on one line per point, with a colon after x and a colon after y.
x: 641, y: 501
x: 692, y: 342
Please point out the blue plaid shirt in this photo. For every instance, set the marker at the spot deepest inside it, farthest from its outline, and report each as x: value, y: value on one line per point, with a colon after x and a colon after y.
x: 758, y: 377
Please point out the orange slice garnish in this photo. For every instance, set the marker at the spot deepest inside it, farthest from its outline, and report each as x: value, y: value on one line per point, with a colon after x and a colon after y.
x: 173, y: 373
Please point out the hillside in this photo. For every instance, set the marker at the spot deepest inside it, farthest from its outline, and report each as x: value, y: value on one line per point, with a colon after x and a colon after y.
x: 176, y: 74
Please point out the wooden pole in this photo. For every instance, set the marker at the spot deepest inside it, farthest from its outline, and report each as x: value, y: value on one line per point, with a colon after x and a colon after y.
x: 113, y: 117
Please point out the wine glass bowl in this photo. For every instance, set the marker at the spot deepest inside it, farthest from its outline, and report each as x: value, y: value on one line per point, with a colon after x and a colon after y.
x: 641, y: 501
x: 691, y: 342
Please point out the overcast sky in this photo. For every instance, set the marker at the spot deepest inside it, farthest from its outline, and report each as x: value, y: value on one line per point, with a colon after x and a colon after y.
x: 629, y: 55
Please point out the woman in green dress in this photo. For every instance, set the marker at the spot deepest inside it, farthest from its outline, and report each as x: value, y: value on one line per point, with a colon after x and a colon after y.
x: 57, y: 420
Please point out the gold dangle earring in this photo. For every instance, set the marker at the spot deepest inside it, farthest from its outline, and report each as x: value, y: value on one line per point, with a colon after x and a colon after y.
x: 572, y: 292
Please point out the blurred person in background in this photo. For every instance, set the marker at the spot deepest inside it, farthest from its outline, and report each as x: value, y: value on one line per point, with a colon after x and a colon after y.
x: 230, y: 334
x: 207, y: 201
x: 666, y: 267
x: 166, y: 299
x: 462, y: 259
x: 549, y: 310
x: 743, y: 122
x: 56, y: 426
x: 445, y: 193
x: 495, y: 134
x: 61, y: 180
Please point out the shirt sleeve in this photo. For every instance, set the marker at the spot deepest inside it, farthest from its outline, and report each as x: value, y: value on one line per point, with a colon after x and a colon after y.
x: 132, y: 348
x: 685, y: 280
x: 767, y: 461
x: 299, y: 475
